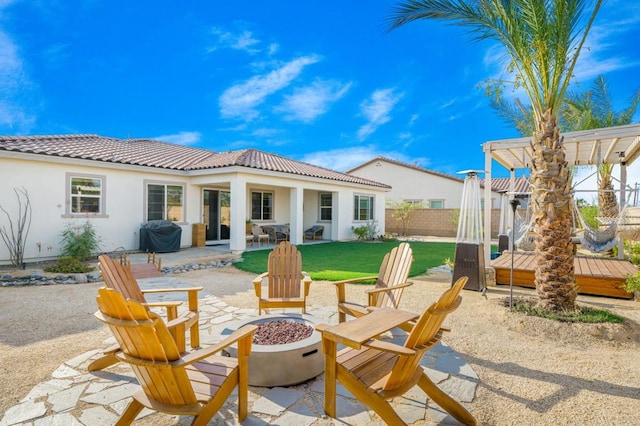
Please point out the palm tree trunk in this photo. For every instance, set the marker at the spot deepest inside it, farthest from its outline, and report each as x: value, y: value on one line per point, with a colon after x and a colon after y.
x: 551, y: 205
x: 607, y: 200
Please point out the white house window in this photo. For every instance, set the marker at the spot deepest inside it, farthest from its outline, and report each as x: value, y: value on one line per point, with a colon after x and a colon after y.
x: 436, y: 204
x: 165, y: 202
x: 363, y: 207
x: 261, y: 205
x: 86, y: 194
x: 482, y: 203
x: 326, y: 205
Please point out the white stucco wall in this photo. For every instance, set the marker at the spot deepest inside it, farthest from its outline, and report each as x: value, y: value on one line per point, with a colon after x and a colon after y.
x: 410, y: 184
x: 124, y: 203
x: 46, y: 184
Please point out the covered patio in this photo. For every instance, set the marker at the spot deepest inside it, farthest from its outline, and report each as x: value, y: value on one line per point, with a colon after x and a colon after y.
x: 614, y: 145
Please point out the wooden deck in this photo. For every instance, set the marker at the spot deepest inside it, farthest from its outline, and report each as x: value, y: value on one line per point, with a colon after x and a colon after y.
x: 594, y: 275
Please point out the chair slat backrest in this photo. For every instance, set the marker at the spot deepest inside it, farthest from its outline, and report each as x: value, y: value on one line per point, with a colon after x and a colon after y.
x: 120, y: 278
x: 425, y: 334
x: 148, y: 346
x: 394, y: 270
x: 284, y: 271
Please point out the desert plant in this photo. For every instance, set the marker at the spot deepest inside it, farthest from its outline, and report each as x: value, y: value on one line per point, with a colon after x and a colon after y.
x: 16, y: 236
x: 80, y: 242
x: 402, y: 212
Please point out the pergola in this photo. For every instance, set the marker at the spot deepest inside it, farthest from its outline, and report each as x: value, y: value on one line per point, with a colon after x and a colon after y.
x: 612, y: 145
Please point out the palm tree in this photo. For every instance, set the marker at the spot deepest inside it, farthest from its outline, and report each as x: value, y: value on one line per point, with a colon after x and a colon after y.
x: 593, y: 109
x: 543, y: 40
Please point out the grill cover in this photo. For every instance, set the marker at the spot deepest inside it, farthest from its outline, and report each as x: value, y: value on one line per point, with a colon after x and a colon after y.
x: 160, y: 236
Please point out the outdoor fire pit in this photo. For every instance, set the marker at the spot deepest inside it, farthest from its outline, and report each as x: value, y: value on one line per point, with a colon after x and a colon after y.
x: 282, y: 364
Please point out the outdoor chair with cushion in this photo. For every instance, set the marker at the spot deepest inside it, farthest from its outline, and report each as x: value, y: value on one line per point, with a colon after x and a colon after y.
x: 287, y: 285
x: 390, y: 283
x: 197, y: 384
x: 277, y: 233
x: 314, y: 233
x: 259, y: 235
x: 375, y: 371
x: 119, y: 278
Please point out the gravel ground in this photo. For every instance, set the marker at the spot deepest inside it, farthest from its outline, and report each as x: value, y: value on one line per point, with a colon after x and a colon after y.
x: 531, y: 370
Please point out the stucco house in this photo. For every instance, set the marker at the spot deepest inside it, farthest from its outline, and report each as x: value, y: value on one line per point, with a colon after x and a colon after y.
x: 408, y: 182
x: 439, y: 194
x: 120, y: 184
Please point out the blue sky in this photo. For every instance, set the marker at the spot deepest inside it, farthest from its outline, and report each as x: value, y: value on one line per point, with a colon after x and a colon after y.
x: 321, y: 82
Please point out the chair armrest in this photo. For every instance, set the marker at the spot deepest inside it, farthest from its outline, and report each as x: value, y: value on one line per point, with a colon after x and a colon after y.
x: 167, y: 304
x: 340, y: 291
x: 257, y: 283
x: 383, y: 289
x: 192, y: 294
x: 355, y: 280
x: 244, y: 332
x: 389, y: 347
x: 172, y: 290
x: 306, y: 280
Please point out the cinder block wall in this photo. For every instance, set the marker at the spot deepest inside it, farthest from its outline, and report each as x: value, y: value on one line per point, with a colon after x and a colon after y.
x: 435, y: 222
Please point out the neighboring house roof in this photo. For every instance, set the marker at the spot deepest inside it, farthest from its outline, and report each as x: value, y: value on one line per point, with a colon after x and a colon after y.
x: 151, y: 153
x: 521, y: 184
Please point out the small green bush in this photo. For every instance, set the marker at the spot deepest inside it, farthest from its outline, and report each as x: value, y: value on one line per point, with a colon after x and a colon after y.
x: 80, y: 242
x: 68, y: 265
x: 632, y: 284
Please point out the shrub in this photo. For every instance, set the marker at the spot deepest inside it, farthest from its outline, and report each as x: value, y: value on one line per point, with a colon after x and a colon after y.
x: 68, y: 265
x: 80, y: 242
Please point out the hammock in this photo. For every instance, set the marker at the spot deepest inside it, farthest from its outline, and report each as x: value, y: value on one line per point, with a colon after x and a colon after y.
x: 524, y: 235
x: 594, y: 239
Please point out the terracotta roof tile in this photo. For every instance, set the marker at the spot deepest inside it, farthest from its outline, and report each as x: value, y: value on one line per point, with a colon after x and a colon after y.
x: 150, y: 153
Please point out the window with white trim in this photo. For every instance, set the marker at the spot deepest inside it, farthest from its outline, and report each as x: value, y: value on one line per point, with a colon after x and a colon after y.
x: 363, y: 207
x: 165, y: 202
x: 326, y: 206
x: 261, y: 205
x: 436, y: 204
x: 86, y: 194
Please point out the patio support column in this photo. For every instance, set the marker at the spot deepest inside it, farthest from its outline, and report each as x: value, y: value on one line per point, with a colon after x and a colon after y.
x: 487, y: 202
x: 623, y: 202
x: 296, y: 200
x: 238, y: 189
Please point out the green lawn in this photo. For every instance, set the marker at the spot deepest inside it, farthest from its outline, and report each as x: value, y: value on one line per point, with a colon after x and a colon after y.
x: 343, y: 260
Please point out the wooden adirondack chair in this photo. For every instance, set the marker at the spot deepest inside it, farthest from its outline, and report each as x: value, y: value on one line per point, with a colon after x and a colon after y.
x: 390, y: 283
x: 196, y: 384
x: 375, y: 371
x: 287, y: 285
x: 120, y: 278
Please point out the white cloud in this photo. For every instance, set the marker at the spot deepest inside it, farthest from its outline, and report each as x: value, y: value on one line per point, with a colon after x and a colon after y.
x: 308, y: 103
x: 182, y: 138
x: 343, y: 159
x: 240, y: 101
x: 228, y: 40
x: 13, y: 84
x: 376, y: 110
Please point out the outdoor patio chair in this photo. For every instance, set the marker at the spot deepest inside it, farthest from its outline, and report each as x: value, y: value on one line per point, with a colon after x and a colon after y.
x: 390, y: 283
x: 119, y: 278
x: 259, y: 235
x: 197, y: 384
x: 287, y: 285
x: 375, y: 371
x: 314, y: 233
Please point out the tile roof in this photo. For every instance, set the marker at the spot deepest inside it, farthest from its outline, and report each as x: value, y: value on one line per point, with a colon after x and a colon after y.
x: 521, y: 184
x: 151, y: 153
